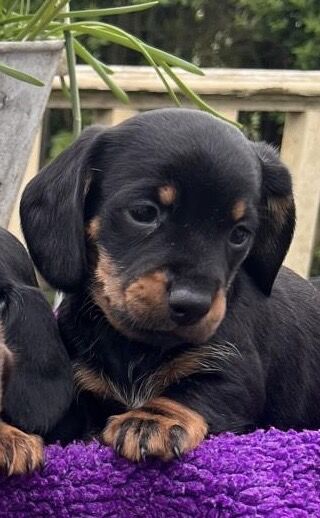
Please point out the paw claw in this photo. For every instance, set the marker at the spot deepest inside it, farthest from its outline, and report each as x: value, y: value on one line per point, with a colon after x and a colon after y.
x: 118, y: 449
x: 176, y: 452
x: 143, y: 453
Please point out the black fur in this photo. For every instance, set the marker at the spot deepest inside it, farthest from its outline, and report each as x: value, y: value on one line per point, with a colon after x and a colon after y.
x: 39, y: 389
x: 270, y: 335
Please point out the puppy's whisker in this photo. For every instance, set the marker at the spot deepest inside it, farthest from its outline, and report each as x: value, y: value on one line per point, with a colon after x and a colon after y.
x: 96, y: 169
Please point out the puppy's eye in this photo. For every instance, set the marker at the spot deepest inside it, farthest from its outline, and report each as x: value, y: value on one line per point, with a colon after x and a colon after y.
x: 239, y: 235
x: 146, y: 213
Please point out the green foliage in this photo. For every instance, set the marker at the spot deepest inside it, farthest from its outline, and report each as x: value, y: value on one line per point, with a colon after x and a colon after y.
x: 287, y: 32
x: 232, y: 33
x: 60, y: 125
x: 59, y: 142
x: 54, y: 19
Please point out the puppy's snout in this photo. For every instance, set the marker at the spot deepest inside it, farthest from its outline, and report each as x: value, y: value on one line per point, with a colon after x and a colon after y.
x: 187, y: 306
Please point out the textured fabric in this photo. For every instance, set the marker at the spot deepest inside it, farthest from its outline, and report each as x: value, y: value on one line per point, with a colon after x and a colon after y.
x: 273, y: 474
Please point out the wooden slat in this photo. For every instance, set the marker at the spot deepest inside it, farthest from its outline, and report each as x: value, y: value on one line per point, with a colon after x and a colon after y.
x: 223, y: 81
x: 115, y: 116
x: 32, y: 169
x: 102, y: 99
x: 301, y: 152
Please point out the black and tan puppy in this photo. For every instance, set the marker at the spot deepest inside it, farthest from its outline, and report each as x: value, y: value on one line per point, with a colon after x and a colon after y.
x: 35, y: 372
x: 167, y: 233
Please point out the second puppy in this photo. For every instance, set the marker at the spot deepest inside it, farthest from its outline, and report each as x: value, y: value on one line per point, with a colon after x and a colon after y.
x: 35, y: 372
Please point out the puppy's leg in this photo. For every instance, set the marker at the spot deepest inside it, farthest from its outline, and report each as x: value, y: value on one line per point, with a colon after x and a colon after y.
x: 163, y: 428
x: 180, y: 419
x: 19, y: 452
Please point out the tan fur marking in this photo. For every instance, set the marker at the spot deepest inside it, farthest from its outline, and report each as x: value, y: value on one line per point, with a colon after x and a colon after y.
x: 88, y: 380
x: 205, y: 358
x: 19, y: 453
x: 93, y: 228
x: 279, y: 208
x: 107, y: 291
x: 238, y: 210
x: 159, y: 445
x: 146, y: 299
x: 131, y: 446
x: 108, y: 280
x: 167, y: 194
x: 159, y: 442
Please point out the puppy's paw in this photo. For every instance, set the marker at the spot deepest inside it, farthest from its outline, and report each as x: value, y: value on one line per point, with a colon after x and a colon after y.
x: 162, y: 428
x: 19, y: 452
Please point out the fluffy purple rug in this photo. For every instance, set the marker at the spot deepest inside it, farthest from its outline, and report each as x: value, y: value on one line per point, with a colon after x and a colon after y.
x: 273, y: 474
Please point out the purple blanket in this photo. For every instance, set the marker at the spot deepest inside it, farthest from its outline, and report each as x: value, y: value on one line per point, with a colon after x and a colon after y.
x: 273, y: 474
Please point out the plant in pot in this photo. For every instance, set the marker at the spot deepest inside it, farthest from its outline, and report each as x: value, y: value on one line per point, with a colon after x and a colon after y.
x: 32, y: 38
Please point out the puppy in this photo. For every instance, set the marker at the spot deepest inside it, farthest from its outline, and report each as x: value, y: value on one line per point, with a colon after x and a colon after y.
x: 35, y: 371
x: 167, y: 234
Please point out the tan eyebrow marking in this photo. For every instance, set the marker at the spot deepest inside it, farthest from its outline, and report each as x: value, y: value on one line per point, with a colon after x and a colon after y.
x: 167, y: 194
x: 93, y: 227
x: 238, y: 210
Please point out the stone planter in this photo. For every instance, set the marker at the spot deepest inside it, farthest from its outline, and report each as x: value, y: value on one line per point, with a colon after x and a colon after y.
x: 21, y: 109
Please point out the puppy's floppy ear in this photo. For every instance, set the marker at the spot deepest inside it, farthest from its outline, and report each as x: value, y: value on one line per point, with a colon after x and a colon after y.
x: 51, y: 213
x: 277, y: 220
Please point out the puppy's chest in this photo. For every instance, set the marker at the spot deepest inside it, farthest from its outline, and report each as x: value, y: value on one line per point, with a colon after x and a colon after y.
x: 136, y: 381
x: 132, y: 385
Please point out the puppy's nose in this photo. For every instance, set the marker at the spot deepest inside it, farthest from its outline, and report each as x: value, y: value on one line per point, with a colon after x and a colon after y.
x: 188, y: 306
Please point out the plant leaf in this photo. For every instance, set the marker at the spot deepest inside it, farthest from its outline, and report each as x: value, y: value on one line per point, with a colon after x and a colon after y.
x: 139, y: 46
x: 21, y: 76
x: 34, y: 19
x: 95, y: 64
x: 109, y: 11
x: 105, y: 31
x: 115, y: 35
x: 47, y: 17
x: 41, y: 19
x: 65, y: 90
x: 10, y: 6
x: 15, y: 19
x: 190, y: 94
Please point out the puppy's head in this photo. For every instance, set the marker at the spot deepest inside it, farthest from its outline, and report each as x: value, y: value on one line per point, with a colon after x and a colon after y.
x: 156, y: 216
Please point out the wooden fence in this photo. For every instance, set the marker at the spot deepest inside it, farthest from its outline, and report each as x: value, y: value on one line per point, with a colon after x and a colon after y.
x: 295, y: 93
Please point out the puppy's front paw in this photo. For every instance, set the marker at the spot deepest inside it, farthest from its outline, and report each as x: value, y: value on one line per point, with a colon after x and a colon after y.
x: 162, y: 428
x: 19, y: 452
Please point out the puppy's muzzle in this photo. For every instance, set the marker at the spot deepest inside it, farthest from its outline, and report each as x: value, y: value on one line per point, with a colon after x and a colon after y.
x: 157, y: 302
x: 187, y: 306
